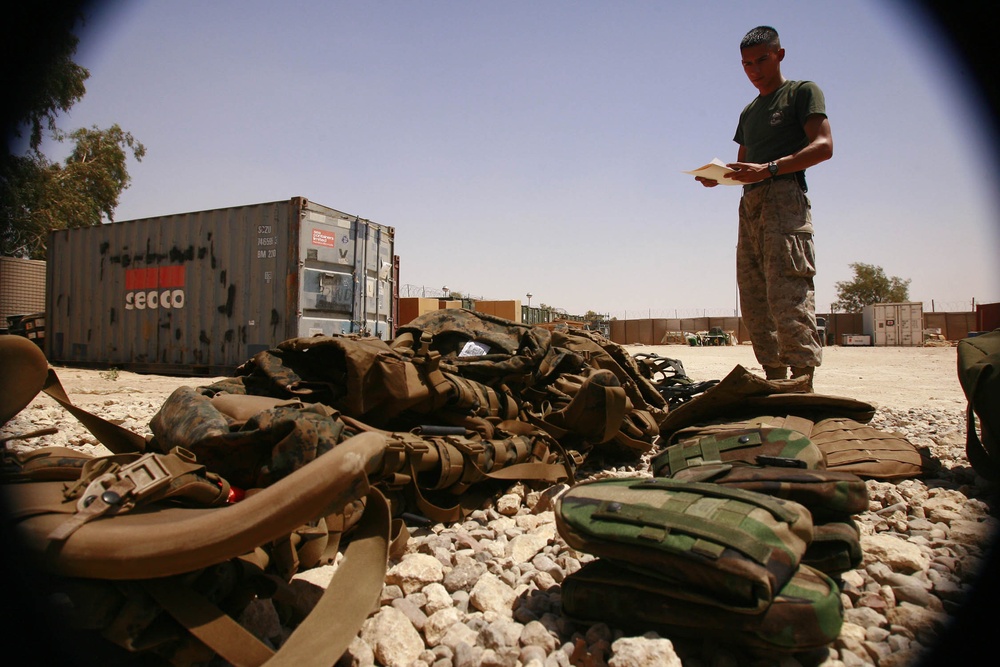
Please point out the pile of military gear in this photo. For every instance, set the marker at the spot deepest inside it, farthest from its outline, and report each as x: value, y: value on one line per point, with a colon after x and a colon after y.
x: 746, y: 522
x: 249, y: 480
x: 670, y: 378
x: 322, y: 445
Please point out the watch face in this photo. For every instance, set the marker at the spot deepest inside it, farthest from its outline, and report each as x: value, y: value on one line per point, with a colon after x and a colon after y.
x: 773, y: 168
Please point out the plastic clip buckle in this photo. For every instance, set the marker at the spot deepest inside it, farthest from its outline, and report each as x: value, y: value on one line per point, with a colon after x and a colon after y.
x: 145, y: 475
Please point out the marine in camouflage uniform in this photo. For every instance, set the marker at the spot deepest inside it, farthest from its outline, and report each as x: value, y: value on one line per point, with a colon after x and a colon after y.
x: 775, y: 265
x: 781, y: 133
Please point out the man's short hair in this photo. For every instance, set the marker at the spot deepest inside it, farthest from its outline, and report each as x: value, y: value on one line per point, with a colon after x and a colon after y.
x: 762, y: 34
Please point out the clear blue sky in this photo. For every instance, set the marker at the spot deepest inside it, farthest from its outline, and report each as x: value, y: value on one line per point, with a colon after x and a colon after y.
x: 538, y: 146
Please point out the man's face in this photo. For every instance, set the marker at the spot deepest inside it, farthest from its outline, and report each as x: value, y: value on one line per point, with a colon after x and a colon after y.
x: 762, y: 65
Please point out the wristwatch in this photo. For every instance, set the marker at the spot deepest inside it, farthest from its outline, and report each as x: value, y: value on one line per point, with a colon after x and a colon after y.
x: 773, y: 168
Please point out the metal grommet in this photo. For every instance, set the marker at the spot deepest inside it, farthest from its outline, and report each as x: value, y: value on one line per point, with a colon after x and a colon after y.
x: 744, y: 439
x: 88, y: 500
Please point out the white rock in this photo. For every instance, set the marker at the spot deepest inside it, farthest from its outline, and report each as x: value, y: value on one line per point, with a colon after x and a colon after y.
x: 394, y: 640
x: 650, y: 650
x: 414, y: 572
x: 895, y: 552
x: 491, y: 594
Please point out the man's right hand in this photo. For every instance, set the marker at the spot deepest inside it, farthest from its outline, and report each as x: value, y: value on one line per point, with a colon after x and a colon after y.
x: 707, y: 182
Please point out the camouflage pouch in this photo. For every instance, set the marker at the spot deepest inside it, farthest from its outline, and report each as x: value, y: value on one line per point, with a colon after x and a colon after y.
x: 829, y: 495
x: 805, y: 614
x: 766, y: 446
x: 714, y: 545
x: 835, y: 547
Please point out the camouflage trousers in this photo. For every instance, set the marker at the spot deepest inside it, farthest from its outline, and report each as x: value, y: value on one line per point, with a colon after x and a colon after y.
x: 775, y: 265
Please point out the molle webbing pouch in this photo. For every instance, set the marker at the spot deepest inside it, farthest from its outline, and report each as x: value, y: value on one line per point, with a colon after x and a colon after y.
x: 750, y: 445
x: 867, y: 452
x: 835, y: 547
x: 712, y: 544
x: 805, y: 613
x: 829, y: 495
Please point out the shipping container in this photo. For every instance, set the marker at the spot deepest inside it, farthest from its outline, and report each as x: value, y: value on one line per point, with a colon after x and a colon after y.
x: 22, y: 289
x: 894, y: 324
x: 200, y: 293
x: 855, y: 340
x: 412, y: 307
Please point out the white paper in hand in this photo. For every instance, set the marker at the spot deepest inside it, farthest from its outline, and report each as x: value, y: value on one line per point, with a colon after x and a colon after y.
x: 715, y: 171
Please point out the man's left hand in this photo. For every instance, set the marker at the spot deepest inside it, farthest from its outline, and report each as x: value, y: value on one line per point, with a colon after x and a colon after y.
x: 748, y: 172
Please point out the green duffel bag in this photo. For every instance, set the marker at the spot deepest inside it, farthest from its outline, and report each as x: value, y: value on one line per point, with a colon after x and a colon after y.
x: 806, y: 613
x: 752, y: 445
x: 829, y: 495
x: 721, y: 546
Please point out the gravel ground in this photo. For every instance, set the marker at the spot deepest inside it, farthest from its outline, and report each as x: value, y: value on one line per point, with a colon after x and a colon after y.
x: 487, y: 591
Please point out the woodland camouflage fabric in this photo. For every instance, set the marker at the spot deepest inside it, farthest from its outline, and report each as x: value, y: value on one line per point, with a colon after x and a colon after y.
x: 740, y: 445
x: 828, y: 494
x: 727, y: 547
x: 805, y: 614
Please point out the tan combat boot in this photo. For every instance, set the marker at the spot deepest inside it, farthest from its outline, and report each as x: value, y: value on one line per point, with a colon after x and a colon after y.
x: 805, y: 371
x: 776, y: 372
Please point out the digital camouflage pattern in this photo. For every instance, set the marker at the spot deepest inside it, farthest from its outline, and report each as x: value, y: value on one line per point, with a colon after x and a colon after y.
x: 728, y: 547
x: 775, y: 266
x: 254, y: 454
x: 805, y: 614
x: 739, y: 445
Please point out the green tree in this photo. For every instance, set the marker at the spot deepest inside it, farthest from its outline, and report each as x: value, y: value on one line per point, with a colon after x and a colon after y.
x: 37, y: 72
x: 870, y: 285
x: 37, y: 195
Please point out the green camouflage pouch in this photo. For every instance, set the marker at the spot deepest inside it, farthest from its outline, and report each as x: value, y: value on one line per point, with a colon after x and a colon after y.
x: 835, y: 547
x: 829, y: 495
x: 716, y: 545
x: 806, y: 612
x: 766, y: 446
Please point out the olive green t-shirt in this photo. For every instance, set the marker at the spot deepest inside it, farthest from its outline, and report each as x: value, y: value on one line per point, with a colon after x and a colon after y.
x: 770, y: 127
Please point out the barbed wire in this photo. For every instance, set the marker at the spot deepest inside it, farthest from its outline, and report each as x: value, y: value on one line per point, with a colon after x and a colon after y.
x: 444, y: 292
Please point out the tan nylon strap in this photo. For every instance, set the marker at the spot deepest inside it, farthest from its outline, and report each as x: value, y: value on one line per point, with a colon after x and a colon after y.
x: 326, y: 632
x: 119, y: 440
x: 208, y: 623
x: 429, y: 361
x: 118, y: 488
x: 616, y: 406
x: 625, y: 440
x: 800, y: 424
x: 350, y: 597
